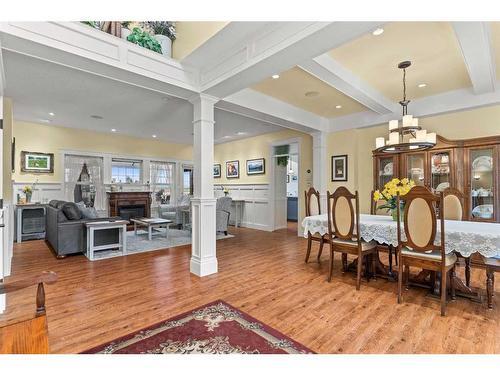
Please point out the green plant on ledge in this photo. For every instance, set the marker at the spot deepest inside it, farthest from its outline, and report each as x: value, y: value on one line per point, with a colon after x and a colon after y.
x: 144, y: 39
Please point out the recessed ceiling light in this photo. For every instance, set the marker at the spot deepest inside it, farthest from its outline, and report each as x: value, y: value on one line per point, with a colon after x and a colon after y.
x: 378, y: 31
x: 52, y: 114
x: 311, y: 94
x: 226, y: 136
x: 97, y: 117
x: 275, y: 76
x: 154, y: 136
x: 241, y: 133
x: 44, y: 120
x: 113, y: 130
x: 422, y: 85
x: 338, y: 106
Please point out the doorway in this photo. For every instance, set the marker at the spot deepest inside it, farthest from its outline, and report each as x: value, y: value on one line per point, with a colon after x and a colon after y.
x: 284, y: 184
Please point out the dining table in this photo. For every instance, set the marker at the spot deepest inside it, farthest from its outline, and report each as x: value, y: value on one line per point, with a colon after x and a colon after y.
x: 465, y: 238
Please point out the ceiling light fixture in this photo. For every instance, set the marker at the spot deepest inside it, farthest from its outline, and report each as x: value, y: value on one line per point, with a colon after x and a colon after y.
x: 409, y: 135
x: 226, y: 136
x: 52, y: 114
x: 275, y: 76
x: 154, y: 136
x: 241, y: 133
x: 44, y: 120
x: 96, y: 117
x: 378, y: 31
x: 113, y: 130
x: 338, y: 106
x: 422, y: 85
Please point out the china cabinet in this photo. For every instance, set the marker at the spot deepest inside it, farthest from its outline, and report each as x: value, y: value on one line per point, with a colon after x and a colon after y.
x: 469, y: 165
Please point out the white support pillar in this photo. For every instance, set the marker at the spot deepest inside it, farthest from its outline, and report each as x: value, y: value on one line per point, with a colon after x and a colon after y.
x: 203, y: 252
x: 320, y: 162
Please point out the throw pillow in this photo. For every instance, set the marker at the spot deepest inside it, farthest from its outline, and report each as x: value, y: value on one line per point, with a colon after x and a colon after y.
x: 71, y: 211
x: 87, y: 212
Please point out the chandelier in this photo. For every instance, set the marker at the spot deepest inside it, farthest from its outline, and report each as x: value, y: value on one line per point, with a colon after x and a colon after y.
x: 407, y: 135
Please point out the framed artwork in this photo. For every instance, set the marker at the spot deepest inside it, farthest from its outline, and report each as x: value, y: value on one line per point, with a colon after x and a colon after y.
x: 339, y: 168
x: 233, y: 169
x: 37, y: 162
x: 217, y: 168
x: 256, y: 166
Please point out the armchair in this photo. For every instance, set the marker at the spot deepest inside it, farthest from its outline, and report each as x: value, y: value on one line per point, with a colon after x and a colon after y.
x: 173, y: 211
x: 222, y: 208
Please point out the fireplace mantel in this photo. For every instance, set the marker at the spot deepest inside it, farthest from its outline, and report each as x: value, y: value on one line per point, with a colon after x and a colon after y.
x: 129, y: 200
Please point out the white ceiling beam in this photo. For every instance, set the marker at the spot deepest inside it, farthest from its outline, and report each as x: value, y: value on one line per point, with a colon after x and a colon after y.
x: 331, y: 72
x: 253, y: 104
x: 277, y: 47
x: 475, y: 42
x: 451, y: 101
x: 2, y: 72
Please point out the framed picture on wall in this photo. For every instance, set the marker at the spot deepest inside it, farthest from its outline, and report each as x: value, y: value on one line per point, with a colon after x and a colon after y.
x: 339, y: 168
x: 233, y: 169
x: 37, y: 162
x: 256, y: 166
x: 217, y: 168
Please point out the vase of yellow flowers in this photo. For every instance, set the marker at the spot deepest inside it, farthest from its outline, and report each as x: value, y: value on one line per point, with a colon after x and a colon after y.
x: 28, y: 191
x: 390, y: 192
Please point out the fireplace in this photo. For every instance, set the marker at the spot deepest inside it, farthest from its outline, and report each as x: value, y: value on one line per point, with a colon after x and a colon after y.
x: 129, y: 205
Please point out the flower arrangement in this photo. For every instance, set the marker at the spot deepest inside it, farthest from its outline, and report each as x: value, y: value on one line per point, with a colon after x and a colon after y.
x: 27, y: 190
x: 225, y: 191
x: 390, y: 192
x: 166, y: 28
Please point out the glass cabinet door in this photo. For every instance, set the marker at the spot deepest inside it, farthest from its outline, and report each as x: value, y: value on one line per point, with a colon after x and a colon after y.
x: 386, y: 170
x: 415, y: 168
x: 482, y: 179
x: 440, y: 170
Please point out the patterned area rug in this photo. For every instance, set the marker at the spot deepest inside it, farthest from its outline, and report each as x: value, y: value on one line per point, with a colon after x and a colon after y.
x: 216, y: 328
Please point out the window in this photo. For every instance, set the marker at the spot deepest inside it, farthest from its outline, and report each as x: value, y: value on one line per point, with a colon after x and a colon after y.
x: 187, y: 178
x: 162, y: 181
x: 83, y: 180
x: 125, y: 171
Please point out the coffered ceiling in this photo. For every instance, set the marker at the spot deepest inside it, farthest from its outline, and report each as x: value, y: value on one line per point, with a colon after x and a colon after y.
x: 301, y: 89
x: 432, y: 48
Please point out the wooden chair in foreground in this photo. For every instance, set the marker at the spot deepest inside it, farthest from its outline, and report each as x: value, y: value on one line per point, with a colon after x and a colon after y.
x: 313, y: 207
x: 419, y: 249
x: 28, y: 335
x: 343, y: 231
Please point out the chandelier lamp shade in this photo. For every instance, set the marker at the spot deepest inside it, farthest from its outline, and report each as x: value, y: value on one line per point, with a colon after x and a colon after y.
x: 405, y: 135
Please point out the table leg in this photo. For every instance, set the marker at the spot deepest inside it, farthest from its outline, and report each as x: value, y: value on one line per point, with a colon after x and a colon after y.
x: 91, y: 243
x: 123, y: 232
x: 135, y: 228
x: 150, y: 232
x: 167, y: 227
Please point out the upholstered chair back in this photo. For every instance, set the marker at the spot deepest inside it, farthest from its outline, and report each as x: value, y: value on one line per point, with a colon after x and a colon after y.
x: 224, y: 203
x: 313, y: 206
x: 420, y: 222
x: 343, y: 213
x: 453, y: 204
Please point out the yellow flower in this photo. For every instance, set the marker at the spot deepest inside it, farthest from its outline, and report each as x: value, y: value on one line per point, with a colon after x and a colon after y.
x: 376, y: 195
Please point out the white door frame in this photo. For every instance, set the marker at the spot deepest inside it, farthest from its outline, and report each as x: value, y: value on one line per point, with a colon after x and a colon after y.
x: 272, y: 182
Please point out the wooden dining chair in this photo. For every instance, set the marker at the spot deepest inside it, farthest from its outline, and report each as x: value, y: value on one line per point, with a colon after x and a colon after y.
x: 419, y: 248
x: 343, y: 231
x: 313, y: 207
x: 454, y: 203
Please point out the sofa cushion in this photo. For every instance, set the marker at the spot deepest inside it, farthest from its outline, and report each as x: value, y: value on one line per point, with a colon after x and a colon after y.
x: 71, y: 211
x: 87, y: 212
x: 56, y: 203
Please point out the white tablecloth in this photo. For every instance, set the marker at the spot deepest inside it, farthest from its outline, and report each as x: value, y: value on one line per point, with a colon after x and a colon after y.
x: 464, y: 237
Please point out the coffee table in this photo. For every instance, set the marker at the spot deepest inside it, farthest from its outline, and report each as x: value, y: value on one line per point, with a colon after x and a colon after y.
x: 93, y: 226
x: 151, y: 223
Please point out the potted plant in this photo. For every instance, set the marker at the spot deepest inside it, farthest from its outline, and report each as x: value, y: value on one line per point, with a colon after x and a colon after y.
x: 144, y: 39
x: 390, y: 192
x: 164, y: 32
x: 125, y: 29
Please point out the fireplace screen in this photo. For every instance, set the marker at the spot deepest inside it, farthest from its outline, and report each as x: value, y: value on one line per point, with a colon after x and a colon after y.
x: 131, y: 211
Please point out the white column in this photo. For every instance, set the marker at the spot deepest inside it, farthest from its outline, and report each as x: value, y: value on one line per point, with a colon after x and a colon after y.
x: 203, y: 252
x: 320, y: 162
x: 2, y: 212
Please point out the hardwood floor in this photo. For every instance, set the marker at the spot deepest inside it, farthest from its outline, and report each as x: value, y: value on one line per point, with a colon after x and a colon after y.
x: 263, y: 274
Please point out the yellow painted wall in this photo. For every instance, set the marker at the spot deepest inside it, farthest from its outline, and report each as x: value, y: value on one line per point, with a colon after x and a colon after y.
x: 258, y: 147
x: 7, y: 147
x: 191, y: 35
x: 359, y: 143
x: 52, y: 139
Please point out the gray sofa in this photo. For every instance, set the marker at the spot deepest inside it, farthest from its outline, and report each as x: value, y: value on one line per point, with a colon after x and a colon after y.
x: 66, y: 232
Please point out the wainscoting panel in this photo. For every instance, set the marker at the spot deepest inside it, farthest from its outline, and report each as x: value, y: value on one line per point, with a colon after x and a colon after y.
x: 43, y: 193
x: 256, y: 208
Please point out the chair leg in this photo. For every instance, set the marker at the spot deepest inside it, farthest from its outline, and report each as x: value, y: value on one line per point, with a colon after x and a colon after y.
x: 400, y: 282
x: 309, y: 243
x: 490, y: 283
x: 225, y: 233
x: 374, y: 266
x: 321, y: 243
x: 358, y: 274
x: 452, y: 283
x: 407, y: 277
x: 467, y: 271
x: 390, y: 259
x: 367, y: 267
x: 330, y: 271
x: 443, y: 293
x: 344, y: 262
